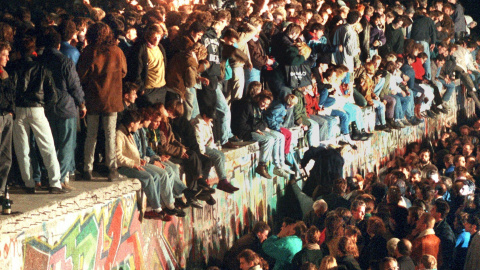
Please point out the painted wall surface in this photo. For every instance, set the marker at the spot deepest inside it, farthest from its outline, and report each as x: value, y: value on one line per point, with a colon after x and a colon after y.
x: 110, y: 236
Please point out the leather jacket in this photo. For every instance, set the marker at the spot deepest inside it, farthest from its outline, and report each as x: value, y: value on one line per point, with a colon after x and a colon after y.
x: 34, y: 84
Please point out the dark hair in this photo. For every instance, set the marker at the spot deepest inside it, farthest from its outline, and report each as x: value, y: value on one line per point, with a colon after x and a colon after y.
x: 131, y: 116
x: 129, y: 87
x: 260, y: 227
x: 231, y: 33
x: 209, y: 112
x: 5, y: 46
x: 474, y: 219
x: 353, y: 17
x: 197, y: 27
x: 100, y: 36
x: 312, y: 235
x: 316, y: 27
x: 442, y: 207
x: 67, y: 30
x: 51, y: 38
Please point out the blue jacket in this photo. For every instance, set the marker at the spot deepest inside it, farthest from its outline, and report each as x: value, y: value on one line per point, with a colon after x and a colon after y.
x: 282, y: 250
x: 410, y: 73
x: 275, y: 115
x: 141, y: 140
x: 70, y: 51
x: 67, y: 83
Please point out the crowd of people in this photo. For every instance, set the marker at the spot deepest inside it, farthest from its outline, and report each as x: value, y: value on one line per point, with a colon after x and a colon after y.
x: 161, y: 89
x: 421, y: 211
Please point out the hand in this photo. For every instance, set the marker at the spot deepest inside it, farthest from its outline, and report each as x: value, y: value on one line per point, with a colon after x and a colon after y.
x: 267, y: 129
x: 82, y: 112
x: 259, y: 132
x: 158, y: 164
x: 140, y: 168
x: 404, y: 94
x: 340, y: 48
x: 376, y: 43
x: 384, y: 102
x: 432, y: 47
x: 185, y: 155
x: 304, y: 127
x: 204, y: 81
x: 143, y: 162
x: 270, y: 61
x: 164, y: 158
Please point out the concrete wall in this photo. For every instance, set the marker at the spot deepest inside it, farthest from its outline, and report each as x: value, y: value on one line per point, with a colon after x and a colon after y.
x: 101, y: 229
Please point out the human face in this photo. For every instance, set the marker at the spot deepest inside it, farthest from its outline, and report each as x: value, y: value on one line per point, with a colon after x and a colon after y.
x: 230, y: 41
x: 130, y: 97
x: 156, y: 122
x: 4, y: 58
x: 416, y: 178
x: 264, y: 103
x: 262, y: 236
x: 134, y: 126
x: 470, y: 163
x: 244, y: 265
x: 197, y: 36
x: 461, y: 162
x: 392, y: 265
x: 131, y: 34
x: 467, y: 150
x: 472, y: 229
x: 359, y: 213
x: 425, y: 157
x: 147, y: 122
x: 155, y: 39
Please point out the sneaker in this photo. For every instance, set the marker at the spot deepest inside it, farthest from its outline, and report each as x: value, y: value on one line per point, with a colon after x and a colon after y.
x: 280, y: 172
x: 406, y: 123
x: 174, y: 212
x: 287, y: 169
x: 194, y: 203
x: 57, y: 190
x: 67, y: 187
x: 262, y: 171
x: 226, y: 186
x: 180, y: 204
x: 157, y: 215
x: 211, y: 201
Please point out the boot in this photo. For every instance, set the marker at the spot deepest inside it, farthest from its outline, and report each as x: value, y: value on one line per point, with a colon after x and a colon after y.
x: 356, y: 134
x: 226, y: 186
x: 417, y: 111
x: 262, y: 170
x: 366, y: 134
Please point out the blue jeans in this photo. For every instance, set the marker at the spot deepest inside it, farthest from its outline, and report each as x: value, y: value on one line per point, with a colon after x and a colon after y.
x: 326, y: 124
x: 34, y: 119
x: 266, y: 143
x: 278, y: 147
x: 191, y: 103
x: 178, y: 185
x: 222, y: 129
x: 313, y: 132
x: 355, y: 114
x: 218, y: 160
x: 379, y: 86
x: 155, y: 183
x: 426, y: 65
x: 407, y: 105
x: 64, y: 134
x: 380, y: 111
x: 449, y: 89
x: 344, y: 120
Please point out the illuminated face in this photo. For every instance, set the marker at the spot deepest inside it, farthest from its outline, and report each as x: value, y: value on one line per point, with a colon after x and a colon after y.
x: 4, y: 58
x: 156, y: 122
x: 467, y: 150
x: 131, y: 34
x: 155, y: 39
x: 244, y: 265
x: 130, y: 97
x: 461, y: 162
x: 262, y: 236
x: 264, y: 103
x: 359, y: 213
x: 197, y: 36
x: 425, y: 157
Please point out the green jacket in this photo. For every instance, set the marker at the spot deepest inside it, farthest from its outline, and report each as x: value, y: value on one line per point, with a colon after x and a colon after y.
x: 282, y: 250
x: 300, y: 111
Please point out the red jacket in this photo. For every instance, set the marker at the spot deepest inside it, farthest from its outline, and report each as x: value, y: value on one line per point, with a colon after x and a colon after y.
x: 426, y: 244
x: 419, y: 69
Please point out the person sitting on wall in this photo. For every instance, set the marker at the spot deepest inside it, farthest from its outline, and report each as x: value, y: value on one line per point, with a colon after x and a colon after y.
x: 157, y: 183
x: 204, y: 134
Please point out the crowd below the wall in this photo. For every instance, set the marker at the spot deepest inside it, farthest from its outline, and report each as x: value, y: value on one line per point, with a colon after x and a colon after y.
x: 151, y: 89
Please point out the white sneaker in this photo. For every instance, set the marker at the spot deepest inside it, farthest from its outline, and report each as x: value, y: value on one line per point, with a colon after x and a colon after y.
x: 279, y: 172
x: 287, y: 169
